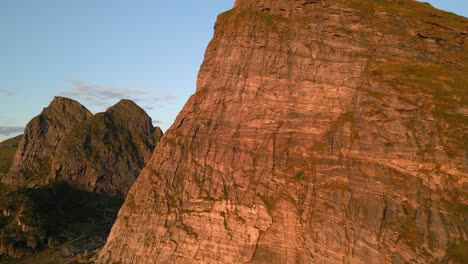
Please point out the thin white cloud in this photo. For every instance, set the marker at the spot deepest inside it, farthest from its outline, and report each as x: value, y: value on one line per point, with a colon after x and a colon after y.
x: 164, y: 97
x: 97, y: 94
x: 6, y: 92
x: 9, y: 130
x: 155, y: 122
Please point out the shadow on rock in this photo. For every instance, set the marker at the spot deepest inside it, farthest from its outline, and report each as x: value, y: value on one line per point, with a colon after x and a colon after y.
x: 58, y: 218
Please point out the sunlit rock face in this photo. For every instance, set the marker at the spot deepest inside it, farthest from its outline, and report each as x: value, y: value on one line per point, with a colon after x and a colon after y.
x: 320, y: 132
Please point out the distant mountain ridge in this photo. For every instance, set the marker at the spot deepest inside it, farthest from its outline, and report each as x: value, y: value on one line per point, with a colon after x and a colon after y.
x: 105, y: 153
x: 32, y: 161
x: 63, y: 186
x: 101, y: 153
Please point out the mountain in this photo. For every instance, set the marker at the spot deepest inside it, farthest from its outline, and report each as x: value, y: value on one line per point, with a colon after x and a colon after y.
x: 105, y: 153
x: 67, y: 180
x: 320, y: 132
x: 32, y: 161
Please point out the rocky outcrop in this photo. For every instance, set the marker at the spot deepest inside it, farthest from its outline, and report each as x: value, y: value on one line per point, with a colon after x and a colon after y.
x: 321, y: 132
x: 105, y: 153
x: 76, y: 175
x: 32, y: 161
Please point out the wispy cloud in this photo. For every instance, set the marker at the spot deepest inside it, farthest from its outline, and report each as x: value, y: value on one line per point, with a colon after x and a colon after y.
x: 7, y: 92
x: 9, y: 130
x: 164, y: 97
x: 99, y: 95
x: 155, y: 122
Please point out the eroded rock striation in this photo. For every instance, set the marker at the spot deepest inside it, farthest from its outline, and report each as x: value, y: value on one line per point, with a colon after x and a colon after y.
x: 32, y: 161
x: 320, y: 132
x: 105, y: 153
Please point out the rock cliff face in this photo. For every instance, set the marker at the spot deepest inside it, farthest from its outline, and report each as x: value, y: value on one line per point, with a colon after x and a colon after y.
x: 105, y: 153
x: 320, y: 132
x: 32, y: 161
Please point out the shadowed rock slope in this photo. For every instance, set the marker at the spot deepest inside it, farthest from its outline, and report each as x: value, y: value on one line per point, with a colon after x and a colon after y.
x: 320, y: 132
x: 56, y: 223
x: 7, y: 152
x: 32, y: 161
x: 105, y: 153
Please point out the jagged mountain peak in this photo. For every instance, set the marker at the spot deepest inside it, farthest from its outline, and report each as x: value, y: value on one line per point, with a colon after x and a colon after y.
x: 125, y: 104
x: 70, y: 172
x: 62, y: 106
x: 66, y: 132
x: 105, y: 153
x: 60, y: 100
x: 131, y: 114
x: 31, y: 163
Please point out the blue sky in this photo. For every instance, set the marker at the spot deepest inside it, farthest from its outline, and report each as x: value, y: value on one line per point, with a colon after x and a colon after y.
x: 100, y: 51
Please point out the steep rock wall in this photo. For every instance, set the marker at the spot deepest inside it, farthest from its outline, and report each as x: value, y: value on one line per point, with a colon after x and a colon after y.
x: 320, y: 132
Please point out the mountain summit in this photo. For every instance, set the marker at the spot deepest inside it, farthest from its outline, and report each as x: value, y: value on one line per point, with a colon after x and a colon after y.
x: 320, y: 132
x: 69, y: 175
x: 105, y: 153
x: 32, y: 161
